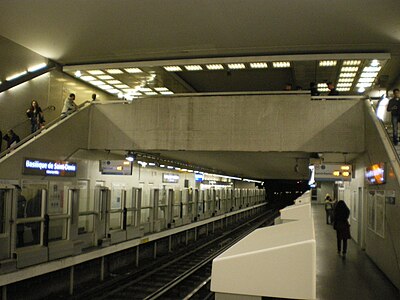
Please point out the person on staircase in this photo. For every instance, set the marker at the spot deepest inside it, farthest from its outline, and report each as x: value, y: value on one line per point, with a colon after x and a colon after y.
x: 394, y: 108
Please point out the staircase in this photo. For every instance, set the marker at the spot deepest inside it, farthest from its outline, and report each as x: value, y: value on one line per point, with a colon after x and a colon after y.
x: 389, y: 130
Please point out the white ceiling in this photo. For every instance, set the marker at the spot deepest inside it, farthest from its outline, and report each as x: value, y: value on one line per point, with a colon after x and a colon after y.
x: 103, y: 31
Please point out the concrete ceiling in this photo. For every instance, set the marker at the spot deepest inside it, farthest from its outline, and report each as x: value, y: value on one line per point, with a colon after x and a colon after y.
x: 101, y: 31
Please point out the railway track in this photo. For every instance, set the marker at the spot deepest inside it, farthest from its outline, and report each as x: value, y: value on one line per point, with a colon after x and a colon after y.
x: 186, y: 276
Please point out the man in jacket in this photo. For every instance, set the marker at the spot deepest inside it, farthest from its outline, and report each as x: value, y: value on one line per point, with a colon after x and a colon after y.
x: 394, y: 108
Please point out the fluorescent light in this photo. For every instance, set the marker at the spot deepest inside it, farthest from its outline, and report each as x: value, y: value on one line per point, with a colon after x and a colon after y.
x: 259, y: 65
x: 113, y: 91
x: 172, y: 68
x: 349, y: 69
x: 322, y: 85
x: 372, y: 69
x: 281, y: 64
x: 236, y: 66
x: 364, y: 84
x: 372, y: 75
x: 105, y: 77
x: 344, y: 84
x: 114, y: 71
x: 133, y: 70
x: 347, y: 74
x: 343, y: 89
x: 193, y: 68
x: 215, y: 67
x: 170, y: 167
x: 167, y: 93
x: 78, y: 74
x: 351, y: 62
x: 162, y: 166
x: 152, y: 164
x: 122, y: 86
x: 342, y: 79
x: 327, y: 63
x: 361, y: 90
x: 161, y: 89
x: 366, y: 79
x: 15, y: 76
x: 105, y: 87
x: 87, y: 78
x: 95, y: 72
x: 151, y: 93
x: 374, y: 63
x: 96, y: 82
x: 114, y: 81
x: 37, y: 67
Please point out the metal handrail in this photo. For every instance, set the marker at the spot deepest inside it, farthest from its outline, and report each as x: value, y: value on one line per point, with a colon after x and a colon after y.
x: 47, y: 126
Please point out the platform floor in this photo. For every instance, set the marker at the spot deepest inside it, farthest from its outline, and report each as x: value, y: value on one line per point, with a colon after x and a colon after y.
x: 353, y: 278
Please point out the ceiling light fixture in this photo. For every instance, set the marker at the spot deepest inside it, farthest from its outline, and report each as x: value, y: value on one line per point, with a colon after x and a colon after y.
x: 172, y: 68
x: 88, y: 78
x: 114, y: 81
x: 95, y: 72
x: 343, y: 89
x: 78, y: 74
x: 133, y: 70
x: 114, y: 71
x: 15, y: 76
x: 193, y: 68
x: 342, y: 79
x: 327, y: 63
x: 375, y: 63
x: 105, y: 77
x: 167, y: 93
x: 37, y: 67
x: 236, y: 66
x: 130, y: 156
x: 281, y: 64
x: 259, y: 65
x: 351, y: 62
x: 122, y: 86
x: 347, y: 75
x: 96, y: 82
x: 349, y: 69
x: 161, y: 89
x: 372, y: 69
x: 371, y: 75
x: 215, y: 67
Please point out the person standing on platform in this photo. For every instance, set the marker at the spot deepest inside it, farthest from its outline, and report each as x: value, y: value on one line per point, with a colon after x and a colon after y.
x: 69, y: 106
x: 329, y: 206
x: 394, y: 108
x: 342, y: 226
x: 332, y: 90
x: 35, y: 114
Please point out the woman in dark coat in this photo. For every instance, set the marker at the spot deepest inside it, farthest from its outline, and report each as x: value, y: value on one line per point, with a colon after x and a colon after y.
x: 35, y: 114
x: 342, y: 226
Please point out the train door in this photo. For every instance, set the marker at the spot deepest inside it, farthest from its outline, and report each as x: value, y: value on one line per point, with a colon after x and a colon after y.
x: 170, y: 208
x: 201, y: 205
x: 156, y: 220
x: 102, y: 207
x: 116, y: 218
x: 87, y: 215
x: 196, y: 199
x: 33, y: 229
x: 186, y: 214
x: 133, y: 213
x: 8, y: 213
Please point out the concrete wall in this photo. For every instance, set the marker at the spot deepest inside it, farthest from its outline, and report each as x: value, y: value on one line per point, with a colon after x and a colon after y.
x: 240, y: 123
x: 383, y: 250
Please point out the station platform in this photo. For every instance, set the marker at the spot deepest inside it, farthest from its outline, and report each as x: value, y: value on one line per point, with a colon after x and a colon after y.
x: 356, y: 277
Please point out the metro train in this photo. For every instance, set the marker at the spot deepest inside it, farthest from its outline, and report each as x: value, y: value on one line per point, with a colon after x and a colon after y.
x: 41, y: 222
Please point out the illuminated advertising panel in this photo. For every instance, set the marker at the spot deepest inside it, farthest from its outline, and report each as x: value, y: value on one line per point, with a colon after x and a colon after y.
x: 375, y: 174
x: 44, y: 167
x: 115, y: 167
x: 170, y: 178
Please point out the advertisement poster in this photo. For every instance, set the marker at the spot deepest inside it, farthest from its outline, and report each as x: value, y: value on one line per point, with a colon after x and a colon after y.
x: 380, y: 213
x: 116, y: 195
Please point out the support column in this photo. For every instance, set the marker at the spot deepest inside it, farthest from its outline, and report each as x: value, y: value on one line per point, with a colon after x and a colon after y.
x: 102, y: 269
x: 155, y: 250
x: 4, y: 292
x: 170, y: 243
x: 186, y: 237
x: 137, y: 256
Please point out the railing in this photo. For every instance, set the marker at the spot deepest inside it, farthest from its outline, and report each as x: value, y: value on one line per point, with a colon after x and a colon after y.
x: 46, y: 127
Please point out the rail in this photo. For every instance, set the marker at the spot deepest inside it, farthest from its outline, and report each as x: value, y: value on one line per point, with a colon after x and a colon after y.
x: 39, y: 131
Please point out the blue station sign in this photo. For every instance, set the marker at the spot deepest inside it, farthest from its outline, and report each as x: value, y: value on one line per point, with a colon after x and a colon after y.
x: 42, y: 167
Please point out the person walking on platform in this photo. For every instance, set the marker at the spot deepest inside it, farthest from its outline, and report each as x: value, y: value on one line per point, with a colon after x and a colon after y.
x: 11, y: 138
x: 394, y: 108
x: 69, y: 106
x: 329, y: 206
x: 35, y: 114
x: 342, y: 226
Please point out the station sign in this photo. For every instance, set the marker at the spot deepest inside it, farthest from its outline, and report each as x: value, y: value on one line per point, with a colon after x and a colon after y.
x: 115, y: 167
x: 44, y: 167
x: 332, y: 172
x: 170, y: 178
x: 216, y: 182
